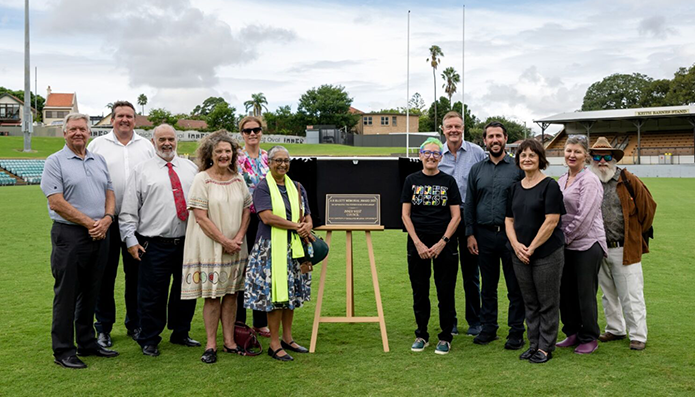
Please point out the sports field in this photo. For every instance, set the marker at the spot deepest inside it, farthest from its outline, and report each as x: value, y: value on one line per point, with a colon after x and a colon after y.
x: 349, y: 358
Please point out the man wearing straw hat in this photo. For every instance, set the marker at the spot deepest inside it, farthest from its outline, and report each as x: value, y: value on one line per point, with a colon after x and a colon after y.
x: 628, y: 211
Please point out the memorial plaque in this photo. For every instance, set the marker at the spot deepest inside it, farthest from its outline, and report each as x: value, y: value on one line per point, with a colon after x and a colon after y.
x: 353, y: 209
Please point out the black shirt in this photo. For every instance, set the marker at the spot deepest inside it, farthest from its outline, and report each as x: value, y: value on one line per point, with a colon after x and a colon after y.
x: 430, y: 197
x: 528, y: 207
x: 488, y: 190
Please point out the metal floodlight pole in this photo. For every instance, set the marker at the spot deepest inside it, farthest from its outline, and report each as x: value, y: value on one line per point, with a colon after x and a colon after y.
x: 27, y: 119
x: 407, y: 94
x: 463, y: 74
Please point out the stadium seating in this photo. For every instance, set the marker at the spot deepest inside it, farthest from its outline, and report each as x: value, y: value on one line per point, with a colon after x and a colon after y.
x: 29, y: 170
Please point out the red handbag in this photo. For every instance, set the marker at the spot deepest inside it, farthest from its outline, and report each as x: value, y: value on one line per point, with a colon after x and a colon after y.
x: 246, y: 340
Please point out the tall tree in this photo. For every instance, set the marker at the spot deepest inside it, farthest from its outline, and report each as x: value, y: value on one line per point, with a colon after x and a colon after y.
x: 222, y: 117
x: 417, y: 104
x: 434, y: 60
x: 682, y: 90
x: 451, y: 78
x: 257, y: 103
x: 327, y: 104
x: 207, y: 106
x: 142, y: 101
x: 617, y: 91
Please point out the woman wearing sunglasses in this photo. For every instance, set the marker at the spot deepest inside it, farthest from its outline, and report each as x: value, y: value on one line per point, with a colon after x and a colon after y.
x: 275, y: 283
x: 253, y: 167
x: 430, y: 214
x: 585, y: 247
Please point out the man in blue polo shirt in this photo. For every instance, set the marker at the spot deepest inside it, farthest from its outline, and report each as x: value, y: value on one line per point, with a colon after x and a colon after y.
x: 457, y: 159
x: 81, y: 204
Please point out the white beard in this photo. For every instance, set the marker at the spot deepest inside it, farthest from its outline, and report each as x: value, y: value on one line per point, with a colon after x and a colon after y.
x: 604, y: 173
x: 166, y: 156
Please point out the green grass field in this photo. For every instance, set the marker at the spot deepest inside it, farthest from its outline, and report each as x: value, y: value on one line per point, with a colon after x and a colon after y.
x: 349, y: 358
x: 42, y: 147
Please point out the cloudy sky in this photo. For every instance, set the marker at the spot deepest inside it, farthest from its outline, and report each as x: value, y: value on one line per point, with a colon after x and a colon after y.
x: 523, y: 59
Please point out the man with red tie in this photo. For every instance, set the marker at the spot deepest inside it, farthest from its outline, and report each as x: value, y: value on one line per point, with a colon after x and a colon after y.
x: 153, y: 226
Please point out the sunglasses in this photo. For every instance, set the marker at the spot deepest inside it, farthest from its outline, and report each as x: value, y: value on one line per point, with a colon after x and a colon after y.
x: 429, y: 153
x: 255, y: 130
x: 606, y: 157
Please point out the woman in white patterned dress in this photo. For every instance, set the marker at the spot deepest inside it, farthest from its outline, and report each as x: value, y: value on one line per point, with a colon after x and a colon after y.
x: 215, y: 253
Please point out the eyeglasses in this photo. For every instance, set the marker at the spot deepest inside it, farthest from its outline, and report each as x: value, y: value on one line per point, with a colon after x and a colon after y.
x: 606, y: 157
x: 281, y: 161
x: 430, y: 153
x: 248, y: 131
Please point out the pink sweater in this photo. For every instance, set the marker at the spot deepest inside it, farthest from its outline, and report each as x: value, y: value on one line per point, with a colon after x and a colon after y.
x: 583, y: 223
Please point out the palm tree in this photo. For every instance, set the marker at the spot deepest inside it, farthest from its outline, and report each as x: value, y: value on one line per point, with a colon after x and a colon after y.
x: 142, y: 101
x: 434, y: 60
x: 257, y: 103
x: 451, y: 78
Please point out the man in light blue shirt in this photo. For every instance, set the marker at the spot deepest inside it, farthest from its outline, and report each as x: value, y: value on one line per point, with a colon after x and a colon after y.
x: 457, y: 159
x: 81, y: 203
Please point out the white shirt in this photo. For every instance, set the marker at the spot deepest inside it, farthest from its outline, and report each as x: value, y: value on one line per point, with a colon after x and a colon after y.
x: 148, y: 205
x: 121, y: 159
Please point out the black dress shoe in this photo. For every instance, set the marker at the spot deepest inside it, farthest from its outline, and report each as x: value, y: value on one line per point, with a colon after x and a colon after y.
x: 484, y: 339
x: 528, y: 353
x: 150, y: 350
x: 274, y: 354
x: 514, y: 343
x: 99, y: 352
x: 209, y: 357
x: 298, y: 349
x: 539, y: 357
x: 104, y: 339
x: 70, y: 362
x: 187, y: 341
x: 134, y: 333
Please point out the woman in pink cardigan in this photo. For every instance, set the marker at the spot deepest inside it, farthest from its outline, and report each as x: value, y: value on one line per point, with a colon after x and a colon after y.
x: 585, y: 247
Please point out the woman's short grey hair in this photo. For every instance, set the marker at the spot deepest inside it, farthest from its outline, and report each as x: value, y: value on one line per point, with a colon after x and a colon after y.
x: 76, y: 116
x: 581, y: 141
x: 273, y: 150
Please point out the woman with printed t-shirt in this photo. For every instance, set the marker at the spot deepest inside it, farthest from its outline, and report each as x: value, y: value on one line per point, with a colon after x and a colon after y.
x: 430, y: 214
x: 533, y: 227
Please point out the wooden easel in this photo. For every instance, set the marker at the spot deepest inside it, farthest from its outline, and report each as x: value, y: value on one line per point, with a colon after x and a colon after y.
x: 350, y: 296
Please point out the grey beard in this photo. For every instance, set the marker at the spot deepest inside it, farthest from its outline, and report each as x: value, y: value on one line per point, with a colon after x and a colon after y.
x: 603, y: 175
x: 167, y: 156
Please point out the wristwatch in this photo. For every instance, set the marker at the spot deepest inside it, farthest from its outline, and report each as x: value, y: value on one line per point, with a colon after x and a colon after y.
x: 446, y: 239
x: 113, y: 219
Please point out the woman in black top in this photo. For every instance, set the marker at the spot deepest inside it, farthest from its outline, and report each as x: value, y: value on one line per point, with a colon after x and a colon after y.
x: 534, y: 209
x: 431, y: 213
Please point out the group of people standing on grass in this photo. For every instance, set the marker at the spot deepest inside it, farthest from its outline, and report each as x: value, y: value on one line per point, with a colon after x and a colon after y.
x: 557, y: 241
x: 229, y: 229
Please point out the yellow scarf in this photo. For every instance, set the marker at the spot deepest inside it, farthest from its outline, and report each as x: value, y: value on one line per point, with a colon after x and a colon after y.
x: 278, y: 238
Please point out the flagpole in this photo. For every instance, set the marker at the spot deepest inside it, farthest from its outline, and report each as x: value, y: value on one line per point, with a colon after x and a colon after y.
x: 407, y: 95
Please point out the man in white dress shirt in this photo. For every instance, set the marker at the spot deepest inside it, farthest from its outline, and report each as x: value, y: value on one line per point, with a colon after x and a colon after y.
x: 123, y: 149
x: 153, y: 221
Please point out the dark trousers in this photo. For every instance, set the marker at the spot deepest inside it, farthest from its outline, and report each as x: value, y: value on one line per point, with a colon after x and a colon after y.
x: 77, y: 263
x: 162, y: 262
x: 470, y: 275
x: 578, y: 307
x: 445, y: 272
x: 540, y: 286
x: 260, y: 318
x: 492, y: 248
x: 106, y: 304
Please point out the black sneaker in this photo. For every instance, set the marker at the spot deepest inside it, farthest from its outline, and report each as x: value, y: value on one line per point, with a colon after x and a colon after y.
x: 484, y: 339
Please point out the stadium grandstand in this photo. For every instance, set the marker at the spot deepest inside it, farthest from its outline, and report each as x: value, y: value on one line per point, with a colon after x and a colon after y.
x: 20, y: 172
x: 660, y: 135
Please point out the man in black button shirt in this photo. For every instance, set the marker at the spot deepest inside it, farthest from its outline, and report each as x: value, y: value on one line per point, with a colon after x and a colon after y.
x: 488, y: 189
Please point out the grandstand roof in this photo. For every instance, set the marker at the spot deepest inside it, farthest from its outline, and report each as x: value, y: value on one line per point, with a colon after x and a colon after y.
x: 620, y: 114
